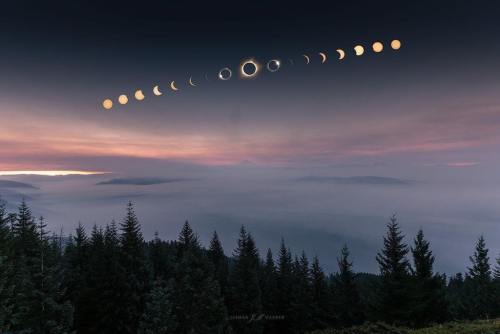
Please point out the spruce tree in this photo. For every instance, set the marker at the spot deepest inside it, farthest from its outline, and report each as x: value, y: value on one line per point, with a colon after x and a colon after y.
x: 394, y: 297
x: 55, y: 314
x: 199, y: 307
x: 456, y: 296
x: 321, y: 297
x: 302, y: 295
x: 348, y: 301
x: 112, y: 284
x: 219, y: 261
x: 284, y: 291
x: 133, y: 263
x: 429, y: 303
x: 188, y: 240
x: 268, y: 287
x: 245, y: 295
x: 481, y: 287
x: 76, y: 266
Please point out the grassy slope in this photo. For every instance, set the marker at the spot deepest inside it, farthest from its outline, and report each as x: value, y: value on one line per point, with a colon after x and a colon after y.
x: 476, y: 327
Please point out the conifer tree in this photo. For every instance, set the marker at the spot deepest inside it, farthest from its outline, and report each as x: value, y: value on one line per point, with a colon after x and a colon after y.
x: 133, y: 263
x: 302, y: 295
x: 394, y: 299
x: 76, y: 267
x: 112, y: 284
x: 285, y: 289
x: 321, y: 297
x: 199, y: 307
x: 428, y: 303
x: 268, y: 287
x: 481, y: 287
x: 188, y: 240
x: 458, y: 308
x: 161, y: 259
x: 219, y: 261
x: 245, y: 294
x: 349, y: 307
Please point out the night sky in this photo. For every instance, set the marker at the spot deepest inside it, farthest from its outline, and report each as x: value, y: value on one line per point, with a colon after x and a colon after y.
x: 282, y: 153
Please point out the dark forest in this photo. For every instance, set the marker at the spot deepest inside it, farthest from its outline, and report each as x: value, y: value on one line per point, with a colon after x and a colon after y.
x: 110, y: 280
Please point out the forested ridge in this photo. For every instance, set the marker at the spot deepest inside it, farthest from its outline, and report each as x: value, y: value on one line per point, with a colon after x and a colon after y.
x: 110, y: 280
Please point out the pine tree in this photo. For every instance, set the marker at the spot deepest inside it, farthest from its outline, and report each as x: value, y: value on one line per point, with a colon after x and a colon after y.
x: 24, y: 231
x: 159, y: 316
x: 302, y: 295
x: 349, y: 307
x: 133, y: 262
x: 188, y: 240
x: 96, y: 281
x: 268, y: 287
x: 456, y: 296
x: 219, y: 261
x: 394, y: 298
x: 480, y: 282
x: 112, y: 283
x: 76, y: 268
x: 199, y: 307
x: 245, y: 294
x: 55, y: 314
x: 321, y: 297
x: 160, y: 258
x: 284, y: 291
x: 429, y: 303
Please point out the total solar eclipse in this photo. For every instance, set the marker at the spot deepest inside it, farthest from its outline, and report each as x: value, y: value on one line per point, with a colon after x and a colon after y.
x: 273, y: 65
x: 225, y: 74
x: 249, y: 69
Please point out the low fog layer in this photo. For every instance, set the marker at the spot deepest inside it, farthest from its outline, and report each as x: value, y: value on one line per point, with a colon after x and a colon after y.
x: 315, y: 209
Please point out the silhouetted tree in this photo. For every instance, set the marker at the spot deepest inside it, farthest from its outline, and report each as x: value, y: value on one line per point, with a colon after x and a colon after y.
x: 348, y: 302
x: 133, y: 263
x: 428, y: 302
x: 268, y: 287
x: 199, y: 306
x: 322, y: 299
x: 302, y: 295
x: 220, y: 262
x: 284, y: 291
x: 481, y: 287
x: 394, y: 297
x: 245, y: 294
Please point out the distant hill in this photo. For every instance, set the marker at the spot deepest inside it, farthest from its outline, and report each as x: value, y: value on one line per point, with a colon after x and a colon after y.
x: 15, y: 184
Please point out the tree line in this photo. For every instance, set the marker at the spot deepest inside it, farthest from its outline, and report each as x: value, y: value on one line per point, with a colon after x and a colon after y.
x: 110, y: 280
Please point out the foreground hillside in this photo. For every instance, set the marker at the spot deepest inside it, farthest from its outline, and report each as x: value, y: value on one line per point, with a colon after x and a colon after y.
x: 476, y: 327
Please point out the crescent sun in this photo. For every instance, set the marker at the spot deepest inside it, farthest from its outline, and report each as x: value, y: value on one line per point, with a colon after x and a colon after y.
x: 308, y: 60
x: 156, y: 91
x: 359, y: 50
x: 191, y: 82
x: 323, y: 57
x: 172, y: 85
x: 341, y: 54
